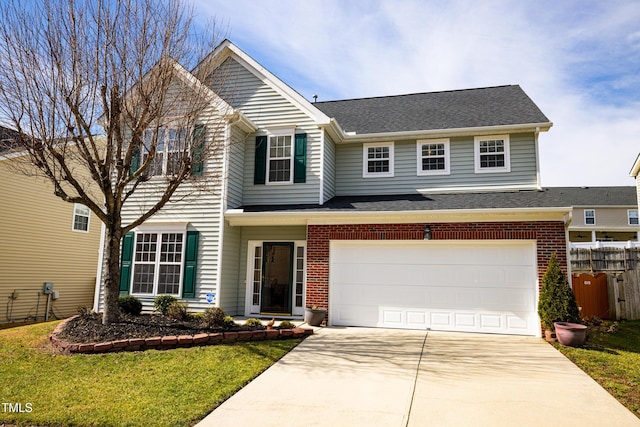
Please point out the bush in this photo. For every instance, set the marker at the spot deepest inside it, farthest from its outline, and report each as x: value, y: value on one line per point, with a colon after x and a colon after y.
x: 162, y: 303
x: 557, y: 301
x: 178, y: 310
x: 130, y: 305
x: 229, y: 323
x: 213, y: 317
x: 285, y: 324
x: 252, y: 322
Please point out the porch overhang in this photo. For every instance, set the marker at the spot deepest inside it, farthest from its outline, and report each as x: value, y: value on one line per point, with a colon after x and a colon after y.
x: 240, y: 218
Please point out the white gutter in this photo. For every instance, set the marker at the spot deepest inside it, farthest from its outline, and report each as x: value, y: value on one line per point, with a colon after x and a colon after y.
x: 479, y: 130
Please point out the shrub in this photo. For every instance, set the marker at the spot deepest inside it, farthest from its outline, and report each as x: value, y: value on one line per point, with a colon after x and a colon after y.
x: 162, y: 303
x: 252, y: 322
x: 130, y: 305
x: 285, y: 324
x: 229, y: 323
x: 213, y: 317
x: 557, y: 301
x: 178, y: 310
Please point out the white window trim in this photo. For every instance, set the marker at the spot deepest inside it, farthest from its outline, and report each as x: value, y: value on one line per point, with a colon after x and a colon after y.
x: 585, y: 216
x: 251, y: 245
x: 159, y: 229
x: 73, y: 220
x: 275, y: 132
x: 365, y: 160
x: 507, y: 154
x: 447, y: 168
x: 637, y: 217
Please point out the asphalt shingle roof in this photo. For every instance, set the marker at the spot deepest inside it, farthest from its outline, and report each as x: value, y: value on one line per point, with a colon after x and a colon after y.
x: 547, y: 198
x: 490, y: 106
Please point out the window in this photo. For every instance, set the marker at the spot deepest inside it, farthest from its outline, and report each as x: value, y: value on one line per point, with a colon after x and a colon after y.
x: 158, y: 263
x: 280, y: 158
x: 632, y: 215
x: 433, y: 157
x: 492, y: 154
x: 590, y: 217
x: 377, y: 160
x: 169, y: 150
x: 80, y: 217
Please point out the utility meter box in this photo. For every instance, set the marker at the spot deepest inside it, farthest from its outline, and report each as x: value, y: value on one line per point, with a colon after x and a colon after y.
x: 47, y: 288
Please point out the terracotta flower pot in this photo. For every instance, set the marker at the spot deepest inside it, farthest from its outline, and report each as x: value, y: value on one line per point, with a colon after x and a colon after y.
x: 571, y: 334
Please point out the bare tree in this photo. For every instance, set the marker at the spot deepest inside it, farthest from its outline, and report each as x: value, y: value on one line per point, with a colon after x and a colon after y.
x: 93, y: 87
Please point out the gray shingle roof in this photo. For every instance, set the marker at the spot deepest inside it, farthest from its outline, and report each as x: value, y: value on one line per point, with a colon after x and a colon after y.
x: 7, y: 139
x: 547, y: 198
x: 491, y: 106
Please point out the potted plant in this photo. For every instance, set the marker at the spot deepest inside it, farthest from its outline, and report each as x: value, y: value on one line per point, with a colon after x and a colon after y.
x: 314, y: 315
x: 557, y: 307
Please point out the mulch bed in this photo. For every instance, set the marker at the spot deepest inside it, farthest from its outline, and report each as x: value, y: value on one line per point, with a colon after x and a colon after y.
x: 89, y: 328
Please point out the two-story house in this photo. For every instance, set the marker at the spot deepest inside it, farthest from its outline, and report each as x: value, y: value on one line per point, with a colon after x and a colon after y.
x: 42, y: 240
x: 412, y: 211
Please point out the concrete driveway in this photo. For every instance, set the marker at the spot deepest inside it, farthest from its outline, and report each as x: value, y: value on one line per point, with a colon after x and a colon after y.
x: 382, y: 377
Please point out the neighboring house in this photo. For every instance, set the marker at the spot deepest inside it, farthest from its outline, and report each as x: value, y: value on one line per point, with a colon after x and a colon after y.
x: 602, y: 216
x: 43, y: 239
x: 412, y: 211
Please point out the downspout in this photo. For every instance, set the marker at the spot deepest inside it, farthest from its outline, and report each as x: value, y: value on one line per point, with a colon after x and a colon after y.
x: 536, y: 147
x: 96, y: 293
x: 322, y: 160
x: 567, y: 222
x: 226, y: 154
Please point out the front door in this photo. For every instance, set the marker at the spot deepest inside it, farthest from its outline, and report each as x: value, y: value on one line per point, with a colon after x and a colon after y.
x: 277, y: 278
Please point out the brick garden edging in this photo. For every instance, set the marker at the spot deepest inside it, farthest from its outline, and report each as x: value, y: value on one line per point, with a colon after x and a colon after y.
x: 172, y: 341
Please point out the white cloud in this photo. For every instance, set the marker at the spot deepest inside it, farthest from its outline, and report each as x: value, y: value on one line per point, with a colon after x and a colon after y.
x: 575, y: 60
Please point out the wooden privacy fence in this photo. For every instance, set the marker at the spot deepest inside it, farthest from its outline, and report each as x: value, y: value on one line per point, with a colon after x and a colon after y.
x: 615, y: 269
x: 604, y: 259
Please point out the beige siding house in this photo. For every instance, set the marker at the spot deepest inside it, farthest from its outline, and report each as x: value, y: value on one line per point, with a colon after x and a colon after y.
x: 43, y: 239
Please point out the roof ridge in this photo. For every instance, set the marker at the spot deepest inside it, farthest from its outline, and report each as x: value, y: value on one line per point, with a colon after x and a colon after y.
x: 416, y: 93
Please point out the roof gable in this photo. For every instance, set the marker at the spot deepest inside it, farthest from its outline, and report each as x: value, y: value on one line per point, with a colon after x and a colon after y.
x: 227, y: 49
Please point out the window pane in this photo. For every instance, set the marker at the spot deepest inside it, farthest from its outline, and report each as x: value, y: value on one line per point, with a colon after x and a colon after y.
x: 492, y: 161
x: 279, y: 170
x: 378, y: 166
x: 169, y: 279
x: 143, y: 276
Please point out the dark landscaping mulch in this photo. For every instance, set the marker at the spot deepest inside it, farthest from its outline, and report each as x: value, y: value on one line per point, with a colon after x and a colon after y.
x: 89, y: 328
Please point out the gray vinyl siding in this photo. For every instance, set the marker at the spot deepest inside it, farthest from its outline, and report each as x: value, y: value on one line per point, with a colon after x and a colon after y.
x: 329, y: 187
x: 199, y: 206
x: 349, y: 180
x: 235, y: 172
x: 267, y: 234
x: 230, y: 284
x: 265, y: 107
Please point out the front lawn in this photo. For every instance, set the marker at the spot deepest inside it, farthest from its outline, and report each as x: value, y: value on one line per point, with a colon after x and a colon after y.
x: 153, y: 388
x: 612, y: 358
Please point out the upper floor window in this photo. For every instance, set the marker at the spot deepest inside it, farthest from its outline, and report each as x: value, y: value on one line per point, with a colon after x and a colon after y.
x: 433, y: 157
x: 590, y: 216
x: 81, y: 215
x: 280, y: 157
x: 492, y: 154
x: 632, y: 215
x: 377, y: 159
x: 169, y: 149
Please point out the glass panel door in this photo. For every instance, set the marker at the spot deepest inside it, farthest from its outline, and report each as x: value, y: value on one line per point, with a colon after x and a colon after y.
x: 277, y: 275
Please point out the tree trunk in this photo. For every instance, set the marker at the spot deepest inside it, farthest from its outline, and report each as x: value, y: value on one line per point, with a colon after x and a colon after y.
x: 111, y: 281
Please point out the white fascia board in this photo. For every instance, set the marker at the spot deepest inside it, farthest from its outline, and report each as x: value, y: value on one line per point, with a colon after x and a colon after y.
x: 238, y: 218
x: 635, y: 170
x: 269, y: 79
x: 433, y: 133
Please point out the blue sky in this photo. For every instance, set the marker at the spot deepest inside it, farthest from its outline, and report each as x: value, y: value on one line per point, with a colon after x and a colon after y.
x: 578, y: 60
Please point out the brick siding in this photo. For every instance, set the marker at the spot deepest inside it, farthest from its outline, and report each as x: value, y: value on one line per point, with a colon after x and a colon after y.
x: 549, y: 237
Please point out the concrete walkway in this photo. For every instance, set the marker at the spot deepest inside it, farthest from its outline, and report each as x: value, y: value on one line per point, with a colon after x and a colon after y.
x: 382, y: 377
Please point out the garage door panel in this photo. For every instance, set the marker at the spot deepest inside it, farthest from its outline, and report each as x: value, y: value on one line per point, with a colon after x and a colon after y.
x: 475, y: 287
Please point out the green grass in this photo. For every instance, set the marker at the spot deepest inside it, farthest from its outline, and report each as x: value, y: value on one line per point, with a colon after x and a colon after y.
x: 612, y: 358
x: 153, y: 388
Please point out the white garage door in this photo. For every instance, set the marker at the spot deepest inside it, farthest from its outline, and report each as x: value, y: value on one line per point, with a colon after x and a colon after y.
x: 470, y: 286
